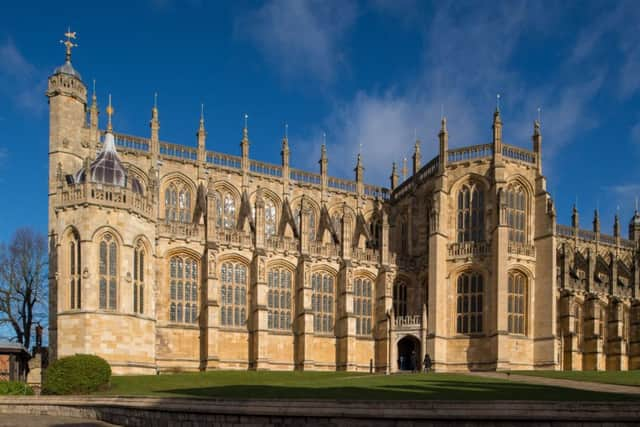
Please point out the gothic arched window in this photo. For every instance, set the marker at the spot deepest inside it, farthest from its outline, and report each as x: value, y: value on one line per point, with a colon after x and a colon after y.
x: 279, y: 298
x: 233, y: 294
x: 183, y: 289
x: 269, y: 218
x: 362, y: 305
x: 75, y: 276
x: 469, y: 308
x: 517, y: 303
x: 229, y: 211
x: 516, y: 213
x: 470, y: 218
x: 177, y: 203
x: 322, y: 302
x: 400, y: 299
x: 138, y: 278
x: 108, y: 272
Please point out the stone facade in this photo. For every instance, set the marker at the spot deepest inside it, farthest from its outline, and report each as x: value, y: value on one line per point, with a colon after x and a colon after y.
x: 203, y: 260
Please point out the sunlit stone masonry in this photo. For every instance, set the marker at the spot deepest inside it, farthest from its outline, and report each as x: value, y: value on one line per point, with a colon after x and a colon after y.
x: 166, y: 257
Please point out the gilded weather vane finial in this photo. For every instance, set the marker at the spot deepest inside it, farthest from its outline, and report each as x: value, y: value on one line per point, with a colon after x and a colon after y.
x: 68, y: 43
x: 109, y: 114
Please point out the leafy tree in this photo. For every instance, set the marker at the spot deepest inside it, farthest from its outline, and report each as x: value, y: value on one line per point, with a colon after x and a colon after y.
x: 23, y: 283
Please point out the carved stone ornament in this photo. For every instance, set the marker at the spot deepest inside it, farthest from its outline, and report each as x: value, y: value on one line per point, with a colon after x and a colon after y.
x: 128, y: 277
x: 65, y: 142
x: 212, y: 263
x: 85, y: 273
x: 261, y: 270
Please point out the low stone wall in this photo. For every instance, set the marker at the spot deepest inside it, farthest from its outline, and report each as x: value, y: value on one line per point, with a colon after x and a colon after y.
x: 195, y: 412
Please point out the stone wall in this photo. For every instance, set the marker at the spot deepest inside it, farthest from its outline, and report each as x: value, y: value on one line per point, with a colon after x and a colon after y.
x: 136, y: 412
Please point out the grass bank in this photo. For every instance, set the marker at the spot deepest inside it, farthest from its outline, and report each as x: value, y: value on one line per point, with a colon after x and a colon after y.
x: 341, y: 386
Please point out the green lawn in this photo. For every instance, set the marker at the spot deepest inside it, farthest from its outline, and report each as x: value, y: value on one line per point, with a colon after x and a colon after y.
x: 608, y: 377
x: 340, y: 385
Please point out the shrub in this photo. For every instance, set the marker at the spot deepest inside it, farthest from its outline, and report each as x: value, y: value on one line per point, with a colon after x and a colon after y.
x: 79, y: 374
x: 14, y: 388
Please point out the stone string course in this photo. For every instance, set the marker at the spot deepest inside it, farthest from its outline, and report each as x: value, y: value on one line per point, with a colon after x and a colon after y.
x: 193, y: 412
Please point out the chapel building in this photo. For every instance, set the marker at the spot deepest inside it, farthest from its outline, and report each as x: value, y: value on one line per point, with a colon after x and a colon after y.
x: 167, y: 257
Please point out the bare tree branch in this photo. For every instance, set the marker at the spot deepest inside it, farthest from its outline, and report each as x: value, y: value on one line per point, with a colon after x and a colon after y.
x: 23, y: 283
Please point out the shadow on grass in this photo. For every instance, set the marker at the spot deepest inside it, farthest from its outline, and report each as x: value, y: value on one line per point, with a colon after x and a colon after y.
x: 427, y: 390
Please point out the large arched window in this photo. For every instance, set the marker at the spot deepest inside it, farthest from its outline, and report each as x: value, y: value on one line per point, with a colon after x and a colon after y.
x: 516, y: 213
x: 75, y: 276
x: 517, y: 303
x: 469, y: 303
x: 279, y: 299
x: 229, y: 212
x: 183, y: 289
x: 269, y: 218
x: 470, y: 214
x: 400, y: 299
x: 322, y: 302
x: 233, y: 294
x: 177, y: 203
x: 362, y: 305
x: 138, y: 278
x: 108, y: 269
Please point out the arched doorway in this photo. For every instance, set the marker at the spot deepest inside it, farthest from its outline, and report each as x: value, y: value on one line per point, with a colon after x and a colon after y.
x: 409, y: 354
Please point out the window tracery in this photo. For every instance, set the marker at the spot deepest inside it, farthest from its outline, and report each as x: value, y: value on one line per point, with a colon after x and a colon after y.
x: 322, y: 302
x: 400, y: 298
x: 517, y: 300
x: 470, y: 216
x: 362, y: 305
x: 108, y: 272
x: 469, y: 308
x: 138, y: 278
x: 233, y: 294
x: 279, y: 298
x: 183, y: 289
x: 177, y: 203
x: 516, y: 213
x: 269, y: 218
x: 75, y: 276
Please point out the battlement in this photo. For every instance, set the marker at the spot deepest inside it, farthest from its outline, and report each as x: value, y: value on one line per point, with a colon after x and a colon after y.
x: 229, y: 162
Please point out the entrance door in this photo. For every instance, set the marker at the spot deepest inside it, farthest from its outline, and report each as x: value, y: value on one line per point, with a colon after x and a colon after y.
x: 408, y: 354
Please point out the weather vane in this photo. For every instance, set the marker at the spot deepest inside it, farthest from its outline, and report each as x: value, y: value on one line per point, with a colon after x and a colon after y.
x: 246, y: 121
x: 498, y: 102
x: 68, y: 43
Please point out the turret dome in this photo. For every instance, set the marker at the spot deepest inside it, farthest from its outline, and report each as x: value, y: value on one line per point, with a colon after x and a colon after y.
x: 68, y: 69
x: 107, y: 167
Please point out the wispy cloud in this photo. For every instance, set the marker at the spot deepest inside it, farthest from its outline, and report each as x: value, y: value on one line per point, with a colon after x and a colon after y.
x: 20, y: 80
x: 300, y: 36
x: 466, y: 61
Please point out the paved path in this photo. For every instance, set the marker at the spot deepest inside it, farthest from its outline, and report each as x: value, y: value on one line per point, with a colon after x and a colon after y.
x: 558, y: 382
x: 8, y: 420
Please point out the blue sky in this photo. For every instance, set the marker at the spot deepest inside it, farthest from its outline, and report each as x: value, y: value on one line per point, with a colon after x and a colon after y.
x: 365, y: 73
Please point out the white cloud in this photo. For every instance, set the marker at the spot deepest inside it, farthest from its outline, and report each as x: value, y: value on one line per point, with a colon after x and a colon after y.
x: 300, y: 37
x: 467, y: 56
x: 20, y: 81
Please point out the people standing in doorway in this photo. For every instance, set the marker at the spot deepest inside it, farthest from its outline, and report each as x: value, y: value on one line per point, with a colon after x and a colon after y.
x: 414, y: 362
x: 401, y: 362
x: 427, y: 363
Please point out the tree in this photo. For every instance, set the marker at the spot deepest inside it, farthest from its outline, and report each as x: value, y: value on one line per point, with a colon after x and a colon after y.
x: 23, y: 283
